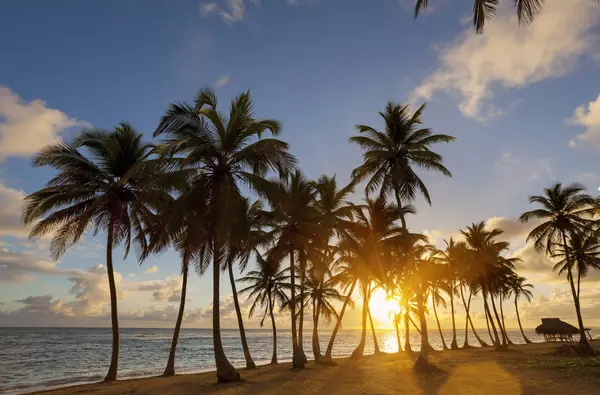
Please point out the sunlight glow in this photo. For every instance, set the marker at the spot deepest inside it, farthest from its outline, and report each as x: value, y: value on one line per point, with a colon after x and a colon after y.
x: 383, y: 308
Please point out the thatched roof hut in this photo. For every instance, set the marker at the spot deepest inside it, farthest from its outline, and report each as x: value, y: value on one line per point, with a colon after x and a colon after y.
x: 554, y: 330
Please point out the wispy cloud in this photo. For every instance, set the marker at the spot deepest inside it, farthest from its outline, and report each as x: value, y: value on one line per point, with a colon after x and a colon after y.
x: 587, y: 116
x: 223, y: 80
x: 512, y: 57
x: 151, y: 269
x: 234, y: 11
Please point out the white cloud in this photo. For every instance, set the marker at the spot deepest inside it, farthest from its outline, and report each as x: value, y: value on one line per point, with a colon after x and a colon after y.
x: 232, y: 13
x: 513, y: 228
x: 512, y: 57
x: 27, y: 127
x: 588, y: 117
x: 20, y: 267
x: 162, y: 290
x: 151, y: 269
x: 223, y: 80
x: 11, y: 203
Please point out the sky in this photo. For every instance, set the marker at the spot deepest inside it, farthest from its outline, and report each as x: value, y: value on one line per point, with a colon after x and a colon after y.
x: 523, y: 103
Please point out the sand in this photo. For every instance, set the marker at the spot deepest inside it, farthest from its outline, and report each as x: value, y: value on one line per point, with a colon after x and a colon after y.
x: 526, y: 369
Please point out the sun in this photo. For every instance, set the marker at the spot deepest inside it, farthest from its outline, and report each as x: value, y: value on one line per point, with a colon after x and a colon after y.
x: 383, y: 308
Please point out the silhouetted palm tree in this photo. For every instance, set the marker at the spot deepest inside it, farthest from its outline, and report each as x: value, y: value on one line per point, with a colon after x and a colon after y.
x: 564, y: 215
x: 268, y: 286
x: 518, y: 286
x: 113, y: 190
x: 389, y: 156
x: 483, y: 10
x: 182, y: 224
x: 296, y: 225
x: 227, y: 154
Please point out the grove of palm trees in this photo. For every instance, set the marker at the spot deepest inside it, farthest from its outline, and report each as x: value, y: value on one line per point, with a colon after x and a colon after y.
x: 222, y: 189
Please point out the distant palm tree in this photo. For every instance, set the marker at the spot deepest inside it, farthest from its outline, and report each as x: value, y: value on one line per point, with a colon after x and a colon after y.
x: 518, y: 286
x: 113, y: 190
x: 483, y: 10
x: 268, y: 286
x: 182, y: 224
x: 296, y: 224
x: 454, y: 256
x: 389, y: 156
x: 247, y: 233
x: 227, y: 153
x: 439, y: 285
x: 564, y: 215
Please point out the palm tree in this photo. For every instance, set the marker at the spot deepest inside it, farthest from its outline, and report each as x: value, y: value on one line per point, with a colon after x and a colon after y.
x: 518, y: 286
x: 564, y: 214
x: 113, y: 190
x: 182, y: 225
x: 227, y: 154
x: 483, y: 10
x: 453, y: 256
x: 247, y: 234
x: 389, y: 156
x: 268, y: 286
x: 296, y: 224
x: 439, y: 285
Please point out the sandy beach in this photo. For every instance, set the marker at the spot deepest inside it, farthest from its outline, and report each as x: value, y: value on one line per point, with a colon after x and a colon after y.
x: 526, y: 369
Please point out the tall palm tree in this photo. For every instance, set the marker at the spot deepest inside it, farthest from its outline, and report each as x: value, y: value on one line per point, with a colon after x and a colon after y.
x: 182, y: 225
x: 519, y: 287
x: 389, y: 156
x: 227, y: 153
x: 113, y: 190
x: 453, y: 256
x: 483, y: 10
x: 247, y: 234
x: 564, y: 214
x: 439, y: 285
x: 267, y: 285
x: 296, y: 224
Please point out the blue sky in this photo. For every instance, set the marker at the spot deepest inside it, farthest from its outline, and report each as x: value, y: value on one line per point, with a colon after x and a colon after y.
x: 523, y: 103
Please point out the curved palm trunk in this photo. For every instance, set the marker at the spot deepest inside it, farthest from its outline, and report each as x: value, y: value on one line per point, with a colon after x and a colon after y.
x: 238, y: 312
x: 338, y: 323
x: 504, y: 323
x: 495, y: 339
x: 467, y: 306
x: 504, y: 343
x: 274, y: 357
x: 225, y: 371
x: 422, y: 362
x: 454, y: 344
x: 583, y: 342
x: 527, y: 341
x: 114, y: 317
x: 375, y: 343
x: 359, y: 350
x: 396, y: 322
x: 487, y: 323
x: 444, y: 346
x: 170, y: 369
x: 297, y: 360
x: 316, y: 348
x: 399, y: 204
x: 301, y: 313
x: 406, y: 328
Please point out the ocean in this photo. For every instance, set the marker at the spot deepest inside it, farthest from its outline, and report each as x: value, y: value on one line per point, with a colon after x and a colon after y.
x: 32, y: 359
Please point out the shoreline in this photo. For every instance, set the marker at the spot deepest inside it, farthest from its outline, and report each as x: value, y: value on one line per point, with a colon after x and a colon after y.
x: 523, y: 366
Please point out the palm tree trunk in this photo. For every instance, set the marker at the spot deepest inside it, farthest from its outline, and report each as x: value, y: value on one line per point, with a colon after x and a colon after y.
x: 399, y: 204
x: 504, y: 322
x: 444, y: 346
x: 301, y: 313
x: 504, y: 343
x: 422, y: 361
x: 225, y: 371
x: 249, y: 362
x: 487, y: 323
x: 406, y: 328
x: 338, y: 324
x: 114, y: 317
x: 274, y: 357
x: 359, y: 350
x: 396, y: 322
x: 170, y: 369
x: 583, y: 342
x: 527, y: 341
x: 454, y: 344
x: 316, y: 348
x: 297, y: 361
x: 495, y: 339
x: 375, y: 343
x: 468, y: 320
